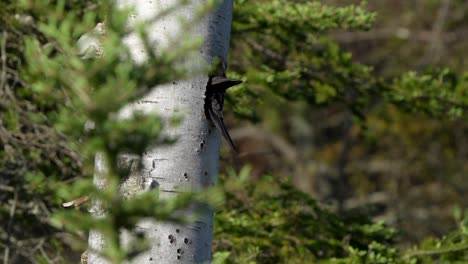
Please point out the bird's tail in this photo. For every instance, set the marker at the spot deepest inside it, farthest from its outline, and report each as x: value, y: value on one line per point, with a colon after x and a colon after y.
x: 219, y: 123
x: 228, y: 138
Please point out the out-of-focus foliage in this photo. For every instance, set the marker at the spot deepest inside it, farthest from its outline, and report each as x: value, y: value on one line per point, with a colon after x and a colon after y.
x: 296, y: 61
x: 285, y: 16
x: 442, y: 95
x: 59, y: 108
x: 371, y: 140
x: 382, y: 130
x: 418, y: 161
x: 286, y: 52
x: 273, y: 222
x: 31, y: 151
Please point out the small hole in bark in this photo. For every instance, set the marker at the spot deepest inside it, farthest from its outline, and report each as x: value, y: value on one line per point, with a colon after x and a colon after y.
x: 171, y: 238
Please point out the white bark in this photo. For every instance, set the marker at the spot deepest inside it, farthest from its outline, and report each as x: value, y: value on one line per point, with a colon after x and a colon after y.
x: 192, y: 162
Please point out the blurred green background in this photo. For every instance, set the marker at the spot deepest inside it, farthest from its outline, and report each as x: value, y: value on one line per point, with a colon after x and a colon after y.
x: 406, y: 168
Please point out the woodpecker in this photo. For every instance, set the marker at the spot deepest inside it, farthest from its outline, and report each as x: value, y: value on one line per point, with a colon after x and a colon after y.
x: 214, y: 100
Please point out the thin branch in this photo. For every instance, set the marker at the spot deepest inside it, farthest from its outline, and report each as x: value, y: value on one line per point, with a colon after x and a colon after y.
x: 342, y: 163
x: 10, y: 221
x: 384, y: 34
x: 435, y: 252
x: 260, y: 48
x: 6, y: 255
x: 3, y: 61
x: 432, y: 53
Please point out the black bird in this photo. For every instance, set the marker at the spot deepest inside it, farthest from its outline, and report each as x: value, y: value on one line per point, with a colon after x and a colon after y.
x: 214, y: 101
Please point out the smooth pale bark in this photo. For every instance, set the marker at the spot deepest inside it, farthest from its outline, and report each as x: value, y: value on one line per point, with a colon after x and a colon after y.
x: 189, y: 164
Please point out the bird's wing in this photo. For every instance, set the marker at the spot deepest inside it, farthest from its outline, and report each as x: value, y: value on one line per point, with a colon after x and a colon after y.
x: 217, y: 118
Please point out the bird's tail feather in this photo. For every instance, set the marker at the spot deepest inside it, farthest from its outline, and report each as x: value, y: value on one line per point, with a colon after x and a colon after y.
x: 219, y: 123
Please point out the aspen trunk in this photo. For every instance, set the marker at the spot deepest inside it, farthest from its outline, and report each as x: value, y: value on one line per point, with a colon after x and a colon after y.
x: 189, y: 164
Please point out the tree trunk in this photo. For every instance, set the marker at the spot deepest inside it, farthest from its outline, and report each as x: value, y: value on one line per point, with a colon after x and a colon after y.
x: 189, y: 164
